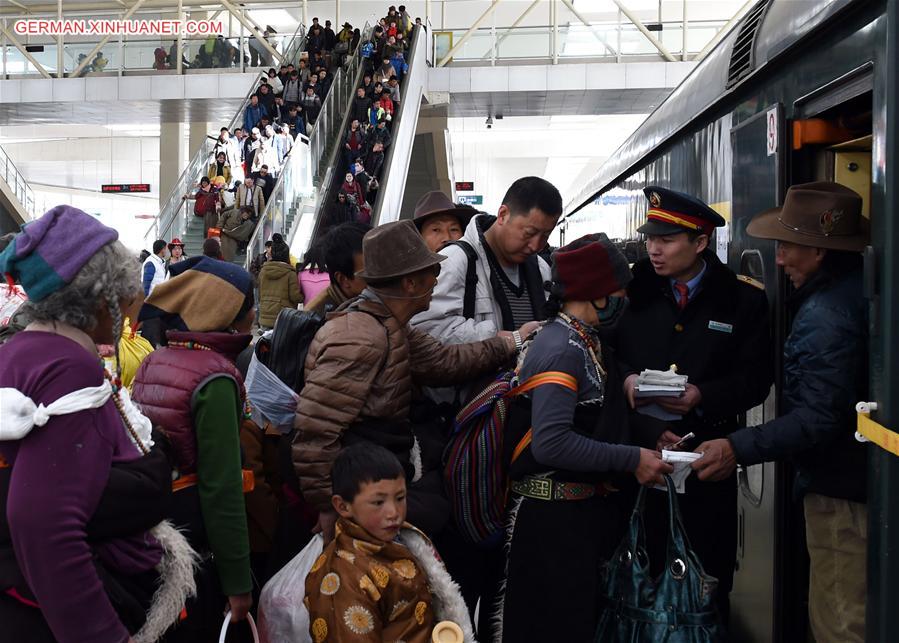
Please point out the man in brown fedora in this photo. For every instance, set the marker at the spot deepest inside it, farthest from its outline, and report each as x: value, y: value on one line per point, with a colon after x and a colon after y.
x: 820, y: 232
x: 440, y: 220
x: 360, y: 368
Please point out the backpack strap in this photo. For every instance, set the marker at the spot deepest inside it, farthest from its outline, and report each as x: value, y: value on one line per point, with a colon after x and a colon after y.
x: 549, y: 377
x: 471, y: 277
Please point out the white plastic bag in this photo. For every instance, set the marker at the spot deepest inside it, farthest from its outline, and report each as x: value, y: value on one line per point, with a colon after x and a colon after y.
x: 282, y: 614
x: 227, y: 622
x: 270, y: 398
x: 11, y: 298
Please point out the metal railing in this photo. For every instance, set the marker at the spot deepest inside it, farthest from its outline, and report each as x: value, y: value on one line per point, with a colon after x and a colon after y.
x: 17, y: 183
x: 605, y: 40
x: 175, y: 214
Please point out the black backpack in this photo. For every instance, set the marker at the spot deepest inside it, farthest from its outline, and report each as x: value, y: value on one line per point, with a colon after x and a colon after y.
x: 294, y: 330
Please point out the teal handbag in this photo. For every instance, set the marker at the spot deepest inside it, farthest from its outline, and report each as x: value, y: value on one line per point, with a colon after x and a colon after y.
x: 677, y: 607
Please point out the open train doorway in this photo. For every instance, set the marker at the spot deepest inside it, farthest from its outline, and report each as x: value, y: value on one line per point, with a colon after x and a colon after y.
x: 824, y: 136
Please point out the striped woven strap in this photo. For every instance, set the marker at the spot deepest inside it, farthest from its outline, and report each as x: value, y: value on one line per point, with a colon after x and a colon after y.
x: 549, y: 377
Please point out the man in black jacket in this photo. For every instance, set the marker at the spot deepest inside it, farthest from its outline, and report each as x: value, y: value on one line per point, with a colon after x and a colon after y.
x: 361, y: 103
x: 689, y: 309
x: 819, y: 232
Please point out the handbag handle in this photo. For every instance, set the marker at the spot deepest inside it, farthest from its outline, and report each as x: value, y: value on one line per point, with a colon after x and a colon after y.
x: 678, y: 550
x: 227, y: 622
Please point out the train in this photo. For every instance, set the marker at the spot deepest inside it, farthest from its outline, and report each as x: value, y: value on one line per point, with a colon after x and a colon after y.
x: 797, y: 91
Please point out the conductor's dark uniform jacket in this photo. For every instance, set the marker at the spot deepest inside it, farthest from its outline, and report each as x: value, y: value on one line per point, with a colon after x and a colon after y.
x: 721, y: 341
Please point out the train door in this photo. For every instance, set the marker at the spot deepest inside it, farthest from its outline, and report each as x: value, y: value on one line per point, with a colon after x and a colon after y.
x: 756, y: 185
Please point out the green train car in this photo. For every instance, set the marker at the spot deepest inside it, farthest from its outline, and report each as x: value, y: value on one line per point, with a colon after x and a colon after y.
x: 800, y: 90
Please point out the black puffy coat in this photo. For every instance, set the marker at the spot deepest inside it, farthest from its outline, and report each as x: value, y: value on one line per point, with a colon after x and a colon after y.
x: 825, y: 374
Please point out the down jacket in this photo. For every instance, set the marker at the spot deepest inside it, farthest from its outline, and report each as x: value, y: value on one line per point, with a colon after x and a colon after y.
x: 825, y: 374
x: 360, y: 368
x: 279, y: 288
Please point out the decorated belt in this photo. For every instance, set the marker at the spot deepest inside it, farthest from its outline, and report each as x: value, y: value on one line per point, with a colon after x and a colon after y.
x: 549, y: 489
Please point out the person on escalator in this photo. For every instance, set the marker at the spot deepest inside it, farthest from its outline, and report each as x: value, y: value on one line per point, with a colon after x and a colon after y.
x: 387, y: 105
x: 312, y: 107
x: 385, y: 71
x: 353, y: 144
x: 361, y: 104
x: 351, y: 187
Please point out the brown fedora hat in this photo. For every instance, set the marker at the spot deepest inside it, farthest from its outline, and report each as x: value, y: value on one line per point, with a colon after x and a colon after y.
x: 395, y: 250
x: 436, y: 202
x: 821, y: 215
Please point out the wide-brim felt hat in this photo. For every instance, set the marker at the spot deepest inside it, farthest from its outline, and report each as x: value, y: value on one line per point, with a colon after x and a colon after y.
x: 395, y: 250
x: 435, y: 203
x: 820, y: 215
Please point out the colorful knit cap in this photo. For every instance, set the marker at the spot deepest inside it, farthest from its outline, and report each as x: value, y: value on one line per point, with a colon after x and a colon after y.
x: 50, y: 251
x: 205, y: 298
x: 589, y: 268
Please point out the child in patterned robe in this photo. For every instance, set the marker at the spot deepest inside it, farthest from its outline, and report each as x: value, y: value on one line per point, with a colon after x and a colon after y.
x: 380, y: 579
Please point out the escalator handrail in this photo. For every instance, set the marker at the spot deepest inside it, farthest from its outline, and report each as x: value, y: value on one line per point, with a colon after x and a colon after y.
x: 395, y: 127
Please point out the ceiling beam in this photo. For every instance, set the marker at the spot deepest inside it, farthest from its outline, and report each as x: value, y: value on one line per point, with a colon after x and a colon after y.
x: 234, y: 11
x: 87, y: 60
x: 646, y: 32
x: 593, y: 30
x: 24, y: 52
x: 468, y: 34
x: 100, y: 5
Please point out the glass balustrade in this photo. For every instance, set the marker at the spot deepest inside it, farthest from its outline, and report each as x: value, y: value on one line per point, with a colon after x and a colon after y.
x: 133, y: 54
x: 599, y: 41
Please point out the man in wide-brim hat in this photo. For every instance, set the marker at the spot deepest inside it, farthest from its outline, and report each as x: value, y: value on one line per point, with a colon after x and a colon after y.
x: 440, y: 220
x: 820, y: 232
x: 360, y: 367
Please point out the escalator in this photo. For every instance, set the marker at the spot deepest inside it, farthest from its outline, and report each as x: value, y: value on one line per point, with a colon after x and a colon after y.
x: 330, y: 169
x: 176, y: 218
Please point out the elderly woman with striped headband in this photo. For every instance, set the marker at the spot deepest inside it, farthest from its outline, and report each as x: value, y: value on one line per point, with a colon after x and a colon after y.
x: 564, y: 518
x: 78, y: 560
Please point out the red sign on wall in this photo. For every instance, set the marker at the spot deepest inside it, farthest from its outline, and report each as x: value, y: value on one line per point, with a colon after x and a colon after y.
x: 464, y: 186
x: 125, y: 187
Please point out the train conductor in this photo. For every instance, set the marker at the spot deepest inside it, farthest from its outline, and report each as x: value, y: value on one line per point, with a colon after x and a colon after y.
x: 689, y: 309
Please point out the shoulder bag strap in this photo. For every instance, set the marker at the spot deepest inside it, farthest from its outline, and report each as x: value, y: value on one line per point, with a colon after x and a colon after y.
x: 471, y: 277
x: 548, y: 377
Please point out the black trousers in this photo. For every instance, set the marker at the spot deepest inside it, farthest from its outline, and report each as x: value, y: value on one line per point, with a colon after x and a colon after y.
x: 555, y: 550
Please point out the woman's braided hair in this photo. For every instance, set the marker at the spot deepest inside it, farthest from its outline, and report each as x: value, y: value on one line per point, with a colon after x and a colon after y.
x: 111, y: 276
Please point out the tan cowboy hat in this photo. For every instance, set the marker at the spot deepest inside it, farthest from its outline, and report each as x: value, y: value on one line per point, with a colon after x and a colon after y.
x: 395, y: 250
x: 436, y: 202
x: 821, y: 215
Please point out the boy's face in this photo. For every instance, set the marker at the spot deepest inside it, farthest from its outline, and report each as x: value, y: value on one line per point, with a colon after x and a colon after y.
x: 379, y: 507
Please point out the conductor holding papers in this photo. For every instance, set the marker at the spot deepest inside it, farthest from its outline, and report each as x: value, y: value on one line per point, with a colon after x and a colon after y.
x: 687, y: 308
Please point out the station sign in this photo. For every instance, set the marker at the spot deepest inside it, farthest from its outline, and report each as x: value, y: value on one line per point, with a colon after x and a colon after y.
x: 119, y: 188
x: 464, y: 186
x: 472, y: 199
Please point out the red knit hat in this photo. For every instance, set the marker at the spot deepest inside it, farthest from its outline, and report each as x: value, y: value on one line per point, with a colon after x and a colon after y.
x: 589, y: 268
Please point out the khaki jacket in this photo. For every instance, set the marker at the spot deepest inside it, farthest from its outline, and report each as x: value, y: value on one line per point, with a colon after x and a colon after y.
x: 279, y: 288
x: 361, y: 365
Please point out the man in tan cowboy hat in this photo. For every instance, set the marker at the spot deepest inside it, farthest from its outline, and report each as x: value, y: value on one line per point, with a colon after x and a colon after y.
x: 820, y: 232
x: 440, y: 220
x: 360, y: 367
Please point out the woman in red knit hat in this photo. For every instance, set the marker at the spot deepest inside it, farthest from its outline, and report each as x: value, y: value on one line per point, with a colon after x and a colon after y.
x: 564, y: 520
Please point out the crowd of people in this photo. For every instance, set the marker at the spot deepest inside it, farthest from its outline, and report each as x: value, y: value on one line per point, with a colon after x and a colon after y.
x: 369, y: 133
x: 245, y: 164
x: 407, y: 332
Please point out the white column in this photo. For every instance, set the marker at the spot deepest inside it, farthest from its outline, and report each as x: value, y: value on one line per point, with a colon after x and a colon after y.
x: 171, y: 158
